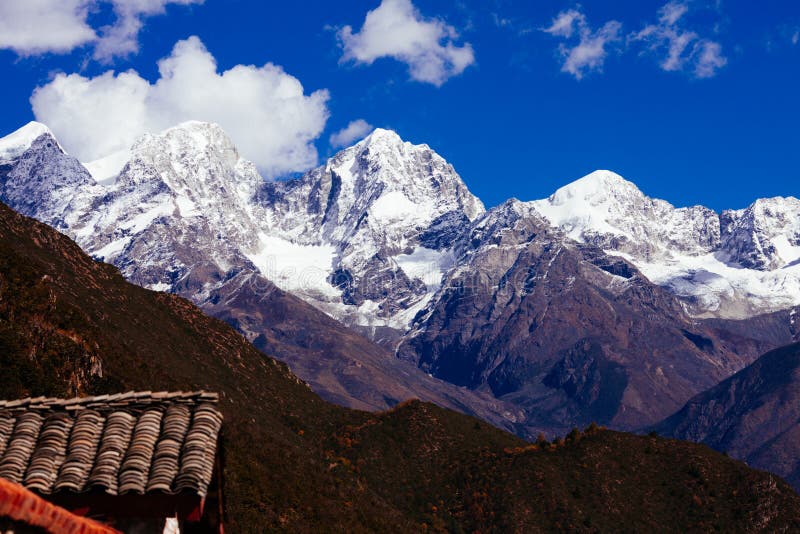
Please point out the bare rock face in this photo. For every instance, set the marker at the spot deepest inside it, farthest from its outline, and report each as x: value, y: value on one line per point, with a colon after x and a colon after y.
x: 589, y: 379
x: 753, y: 415
x: 562, y: 329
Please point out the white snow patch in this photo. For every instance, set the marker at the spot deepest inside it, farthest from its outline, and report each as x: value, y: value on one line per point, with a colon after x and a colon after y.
x: 105, y: 170
x: 295, y: 267
x: 427, y: 265
x: 393, y: 206
x: 108, y: 252
x: 714, y: 283
x: 367, y: 314
x: 161, y: 286
x: 788, y: 253
x: 402, y: 320
x: 186, y: 206
x: 141, y: 221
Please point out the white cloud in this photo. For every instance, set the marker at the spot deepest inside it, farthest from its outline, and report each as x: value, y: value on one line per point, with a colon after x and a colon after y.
x: 795, y: 37
x: 589, y: 50
x: 564, y: 23
x: 590, y: 53
x: 352, y: 132
x: 398, y: 30
x: 32, y: 27
x: 681, y: 49
x: 122, y: 37
x: 672, y: 12
x: 709, y: 59
x: 263, y: 109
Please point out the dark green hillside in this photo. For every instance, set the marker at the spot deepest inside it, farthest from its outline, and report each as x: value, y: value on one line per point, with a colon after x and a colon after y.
x: 438, y: 468
x: 295, y: 463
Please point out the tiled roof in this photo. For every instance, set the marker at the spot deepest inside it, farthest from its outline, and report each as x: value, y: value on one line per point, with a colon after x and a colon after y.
x: 27, y: 508
x: 136, y: 442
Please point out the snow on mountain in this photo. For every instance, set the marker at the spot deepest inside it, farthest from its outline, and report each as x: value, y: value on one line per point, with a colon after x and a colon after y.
x: 374, y: 204
x: 733, y: 265
x: 369, y: 236
x: 178, y: 217
x: 385, y: 237
x: 604, y: 209
x: 765, y: 235
x: 42, y: 181
x: 106, y: 169
x: 363, y: 237
x: 14, y: 144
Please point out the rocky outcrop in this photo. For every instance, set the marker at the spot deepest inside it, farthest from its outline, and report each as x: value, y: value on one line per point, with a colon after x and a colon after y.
x: 563, y: 330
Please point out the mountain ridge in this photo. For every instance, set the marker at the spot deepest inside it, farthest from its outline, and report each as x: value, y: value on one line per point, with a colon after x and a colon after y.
x: 126, y: 222
x: 734, y: 264
x: 378, y: 238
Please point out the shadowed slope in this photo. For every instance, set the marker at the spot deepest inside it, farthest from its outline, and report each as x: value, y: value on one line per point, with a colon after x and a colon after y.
x: 754, y: 415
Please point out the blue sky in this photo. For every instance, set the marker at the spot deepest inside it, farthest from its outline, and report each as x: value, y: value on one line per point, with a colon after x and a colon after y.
x: 489, y: 84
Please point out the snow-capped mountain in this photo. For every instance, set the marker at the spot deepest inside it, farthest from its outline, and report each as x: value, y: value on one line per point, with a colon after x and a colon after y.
x: 548, y: 304
x: 369, y: 236
x: 364, y: 237
x: 186, y: 214
x: 736, y: 264
x: 16, y: 143
x: 39, y: 179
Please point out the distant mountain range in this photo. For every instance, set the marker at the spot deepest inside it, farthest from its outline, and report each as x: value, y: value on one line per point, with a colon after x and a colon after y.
x: 292, y: 462
x: 597, y: 303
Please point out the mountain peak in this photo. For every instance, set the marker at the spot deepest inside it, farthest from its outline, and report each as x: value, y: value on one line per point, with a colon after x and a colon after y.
x: 17, y: 142
x: 192, y: 136
x: 195, y: 126
x: 195, y: 134
x: 765, y: 235
x: 597, y: 203
x: 384, y: 141
x: 384, y: 163
x: 595, y: 185
x: 773, y: 203
x: 189, y: 145
x: 383, y: 136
